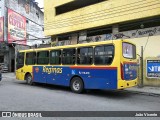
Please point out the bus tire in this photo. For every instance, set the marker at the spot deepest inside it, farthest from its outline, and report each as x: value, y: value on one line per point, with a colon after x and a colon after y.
x: 77, y: 85
x: 29, y: 79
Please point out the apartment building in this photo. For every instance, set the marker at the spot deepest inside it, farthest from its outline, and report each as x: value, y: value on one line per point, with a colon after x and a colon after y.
x: 21, y: 27
x: 82, y: 21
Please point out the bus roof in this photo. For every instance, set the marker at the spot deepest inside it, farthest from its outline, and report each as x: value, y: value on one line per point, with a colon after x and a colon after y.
x: 76, y: 45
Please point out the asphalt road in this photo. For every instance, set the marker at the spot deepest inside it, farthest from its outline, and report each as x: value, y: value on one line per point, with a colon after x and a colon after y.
x: 18, y: 96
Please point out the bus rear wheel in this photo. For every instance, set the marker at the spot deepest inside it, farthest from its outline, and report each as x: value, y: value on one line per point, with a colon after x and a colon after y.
x: 29, y: 79
x: 77, y: 85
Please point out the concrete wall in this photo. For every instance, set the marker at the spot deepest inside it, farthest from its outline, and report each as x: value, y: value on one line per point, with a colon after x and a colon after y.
x: 151, y: 45
x: 104, y: 13
x: 151, y: 51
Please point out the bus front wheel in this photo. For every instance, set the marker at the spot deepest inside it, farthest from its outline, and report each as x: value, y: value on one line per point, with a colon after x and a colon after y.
x: 77, y: 85
x: 29, y: 79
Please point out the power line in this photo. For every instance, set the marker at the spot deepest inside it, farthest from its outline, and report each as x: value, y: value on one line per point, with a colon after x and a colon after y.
x: 146, y: 42
x: 38, y: 39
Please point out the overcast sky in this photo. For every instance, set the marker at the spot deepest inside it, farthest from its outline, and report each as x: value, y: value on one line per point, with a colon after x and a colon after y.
x: 40, y: 3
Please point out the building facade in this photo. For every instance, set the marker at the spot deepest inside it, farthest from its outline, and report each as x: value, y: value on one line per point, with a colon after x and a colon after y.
x: 22, y: 26
x: 81, y: 21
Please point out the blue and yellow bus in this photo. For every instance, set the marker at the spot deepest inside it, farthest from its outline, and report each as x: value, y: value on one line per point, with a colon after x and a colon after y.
x: 108, y: 65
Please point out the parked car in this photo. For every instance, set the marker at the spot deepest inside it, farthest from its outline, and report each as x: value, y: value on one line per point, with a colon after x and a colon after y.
x: 4, y: 68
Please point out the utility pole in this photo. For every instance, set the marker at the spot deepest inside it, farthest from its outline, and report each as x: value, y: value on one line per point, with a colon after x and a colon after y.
x: 141, y: 58
x: 15, y: 52
x: 15, y: 58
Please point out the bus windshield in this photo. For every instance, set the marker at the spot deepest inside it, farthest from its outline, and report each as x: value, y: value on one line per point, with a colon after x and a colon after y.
x: 129, y: 50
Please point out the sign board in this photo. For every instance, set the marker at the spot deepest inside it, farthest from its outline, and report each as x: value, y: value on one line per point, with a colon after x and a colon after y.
x: 153, y: 68
x: 16, y: 28
x: 2, y: 4
x: 1, y: 29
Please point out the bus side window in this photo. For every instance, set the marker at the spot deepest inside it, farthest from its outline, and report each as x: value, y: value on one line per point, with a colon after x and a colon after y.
x: 55, y: 57
x: 20, y: 60
x: 68, y: 56
x: 104, y: 55
x: 30, y: 58
x: 85, y: 56
x: 43, y: 57
x: 109, y: 53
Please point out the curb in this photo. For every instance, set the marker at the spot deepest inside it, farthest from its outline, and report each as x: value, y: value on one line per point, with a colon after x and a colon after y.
x: 143, y: 93
x: 5, y: 77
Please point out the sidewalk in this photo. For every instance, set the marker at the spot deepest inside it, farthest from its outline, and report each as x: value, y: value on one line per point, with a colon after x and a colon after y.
x: 9, y: 75
x: 145, y: 90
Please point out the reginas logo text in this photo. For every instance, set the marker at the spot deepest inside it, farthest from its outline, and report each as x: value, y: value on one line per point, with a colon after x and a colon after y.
x: 50, y: 70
